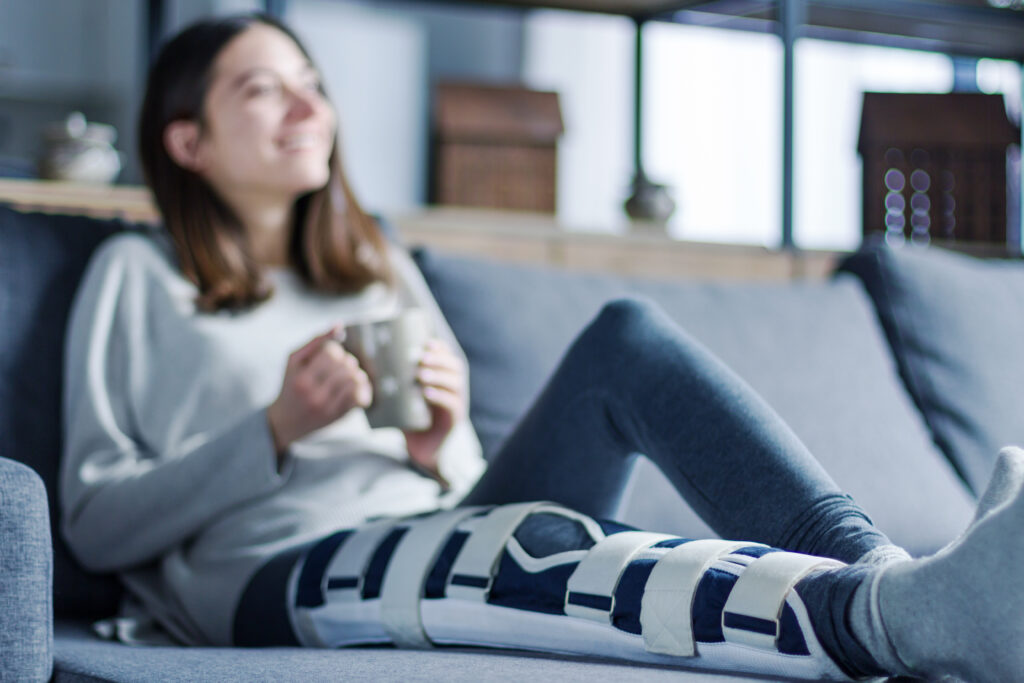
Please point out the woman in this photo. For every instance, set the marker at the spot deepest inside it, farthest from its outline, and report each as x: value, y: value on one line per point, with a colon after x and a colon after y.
x: 219, y: 459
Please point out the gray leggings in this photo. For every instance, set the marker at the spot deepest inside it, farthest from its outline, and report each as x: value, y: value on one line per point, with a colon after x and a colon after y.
x: 634, y: 382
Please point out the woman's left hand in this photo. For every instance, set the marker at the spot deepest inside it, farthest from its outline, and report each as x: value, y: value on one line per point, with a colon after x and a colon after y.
x: 443, y: 377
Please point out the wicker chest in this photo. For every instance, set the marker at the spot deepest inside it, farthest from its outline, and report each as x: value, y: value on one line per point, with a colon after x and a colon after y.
x: 495, y: 147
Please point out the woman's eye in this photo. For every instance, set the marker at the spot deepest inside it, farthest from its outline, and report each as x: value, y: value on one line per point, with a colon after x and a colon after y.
x: 257, y: 89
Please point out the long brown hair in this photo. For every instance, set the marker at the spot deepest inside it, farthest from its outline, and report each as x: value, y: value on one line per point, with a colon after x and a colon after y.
x: 335, y: 245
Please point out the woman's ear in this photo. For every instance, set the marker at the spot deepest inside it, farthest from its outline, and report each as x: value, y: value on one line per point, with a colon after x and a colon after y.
x: 181, y: 139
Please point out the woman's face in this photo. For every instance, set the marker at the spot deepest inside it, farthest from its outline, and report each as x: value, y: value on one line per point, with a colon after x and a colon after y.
x: 269, y: 129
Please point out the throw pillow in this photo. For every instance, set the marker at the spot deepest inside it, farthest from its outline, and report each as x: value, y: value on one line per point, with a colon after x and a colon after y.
x: 956, y: 327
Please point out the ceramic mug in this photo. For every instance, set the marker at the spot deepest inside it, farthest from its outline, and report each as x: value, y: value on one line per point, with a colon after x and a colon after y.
x: 389, y: 351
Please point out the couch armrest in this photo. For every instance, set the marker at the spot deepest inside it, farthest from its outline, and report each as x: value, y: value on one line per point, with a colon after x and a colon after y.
x: 26, y: 576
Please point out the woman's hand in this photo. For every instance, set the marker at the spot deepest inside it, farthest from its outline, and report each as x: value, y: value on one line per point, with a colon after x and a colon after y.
x: 322, y: 382
x: 443, y: 377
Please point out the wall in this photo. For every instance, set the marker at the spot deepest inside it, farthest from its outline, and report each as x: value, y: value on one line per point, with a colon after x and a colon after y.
x: 374, y: 68
x: 60, y: 55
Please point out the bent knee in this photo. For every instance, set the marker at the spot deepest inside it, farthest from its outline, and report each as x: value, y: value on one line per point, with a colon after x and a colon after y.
x: 625, y: 317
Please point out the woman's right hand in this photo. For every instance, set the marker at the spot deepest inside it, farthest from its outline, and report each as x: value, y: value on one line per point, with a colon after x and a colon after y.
x: 322, y: 382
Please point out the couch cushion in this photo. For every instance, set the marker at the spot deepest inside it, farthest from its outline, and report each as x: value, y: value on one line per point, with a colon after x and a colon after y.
x: 956, y: 326
x: 814, y: 350
x: 80, y: 656
x: 42, y: 258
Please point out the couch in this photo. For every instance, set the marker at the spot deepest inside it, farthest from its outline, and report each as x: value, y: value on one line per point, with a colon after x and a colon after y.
x: 900, y: 373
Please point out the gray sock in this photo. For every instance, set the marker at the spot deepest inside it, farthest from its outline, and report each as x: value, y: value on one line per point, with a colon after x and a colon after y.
x: 883, y: 555
x: 832, y: 602
x: 961, y: 611
x: 1007, y: 479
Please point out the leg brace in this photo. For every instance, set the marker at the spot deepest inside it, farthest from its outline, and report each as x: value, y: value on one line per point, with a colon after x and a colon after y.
x: 538, y: 576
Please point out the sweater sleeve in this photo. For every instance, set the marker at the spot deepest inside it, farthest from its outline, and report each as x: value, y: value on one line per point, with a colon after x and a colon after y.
x: 124, y: 503
x: 460, y: 458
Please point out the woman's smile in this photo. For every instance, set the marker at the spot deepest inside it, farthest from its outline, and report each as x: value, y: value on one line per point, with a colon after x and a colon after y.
x: 300, y: 142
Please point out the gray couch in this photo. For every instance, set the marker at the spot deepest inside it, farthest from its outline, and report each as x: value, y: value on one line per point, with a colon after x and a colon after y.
x: 900, y: 373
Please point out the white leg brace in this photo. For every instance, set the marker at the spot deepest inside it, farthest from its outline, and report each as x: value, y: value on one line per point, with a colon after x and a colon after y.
x: 468, y: 577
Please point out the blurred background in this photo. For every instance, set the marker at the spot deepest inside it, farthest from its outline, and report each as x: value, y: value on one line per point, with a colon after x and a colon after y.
x: 713, y: 94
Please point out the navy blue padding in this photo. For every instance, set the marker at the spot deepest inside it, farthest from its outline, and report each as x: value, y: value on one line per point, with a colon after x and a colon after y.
x: 471, y: 581
x: 708, y: 604
x: 629, y: 594
x: 261, y: 618
x: 542, y: 591
x: 748, y: 623
x: 374, y: 578
x: 546, y: 533
x: 42, y: 258
x: 601, y: 602
x: 610, y: 526
x: 310, y: 591
x: 438, y: 577
x: 755, y: 551
x: 814, y: 350
x: 791, y: 639
x: 956, y: 325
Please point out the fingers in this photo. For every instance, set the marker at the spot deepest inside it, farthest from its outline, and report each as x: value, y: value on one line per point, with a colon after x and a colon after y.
x: 436, y: 351
x: 331, y: 361
x: 341, y: 388
x: 443, y: 377
x: 331, y: 381
x: 345, y: 395
x: 440, y: 378
x: 438, y: 356
x: 449, y: 401
x: 313, y: 346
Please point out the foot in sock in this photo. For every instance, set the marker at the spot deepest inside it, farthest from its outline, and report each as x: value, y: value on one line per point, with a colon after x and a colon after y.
x: 961, y: 611
x: 1007, y: 479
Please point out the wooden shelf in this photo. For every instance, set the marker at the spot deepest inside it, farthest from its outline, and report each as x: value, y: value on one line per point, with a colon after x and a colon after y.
x: 510, y: 236
x: 131, y: 203
x: 643, y: 252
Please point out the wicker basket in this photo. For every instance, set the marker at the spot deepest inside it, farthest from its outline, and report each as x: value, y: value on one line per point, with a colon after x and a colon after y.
x: 495, y: 147
x: 935, y: 166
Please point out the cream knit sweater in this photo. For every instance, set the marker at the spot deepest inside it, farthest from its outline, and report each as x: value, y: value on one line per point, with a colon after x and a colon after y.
x: 168, y: 473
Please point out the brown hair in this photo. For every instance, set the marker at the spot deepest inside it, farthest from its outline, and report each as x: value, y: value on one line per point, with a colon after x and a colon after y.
x: 335, y: 245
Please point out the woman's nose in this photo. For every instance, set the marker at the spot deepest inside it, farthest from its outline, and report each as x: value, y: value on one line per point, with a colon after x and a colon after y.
x: 301, y: 104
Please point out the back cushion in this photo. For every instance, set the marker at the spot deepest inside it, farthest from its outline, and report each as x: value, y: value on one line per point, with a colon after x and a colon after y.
x: 42, y: 258
x: 814, y: 351
x: 956, y: 326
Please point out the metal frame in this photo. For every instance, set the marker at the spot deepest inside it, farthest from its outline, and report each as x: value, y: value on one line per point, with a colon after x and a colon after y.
x: 792, y: 12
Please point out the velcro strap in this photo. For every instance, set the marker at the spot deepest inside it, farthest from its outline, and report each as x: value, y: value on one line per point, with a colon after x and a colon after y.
x: 475, y: 565
x: 591, y: 589
x: 347, y: 570
x: 666, y: 608
x: 407, y: 572
x: 752, y: 611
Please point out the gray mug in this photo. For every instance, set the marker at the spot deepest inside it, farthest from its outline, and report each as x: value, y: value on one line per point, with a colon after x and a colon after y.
x: 389, y: 351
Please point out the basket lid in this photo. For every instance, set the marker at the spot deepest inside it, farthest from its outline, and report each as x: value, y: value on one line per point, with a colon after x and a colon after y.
x: 487, y: 113
x: 935, y: 119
